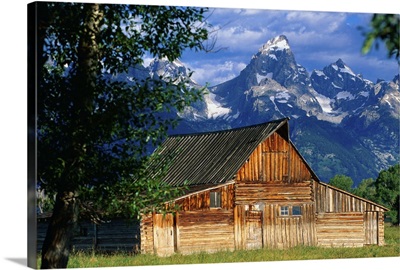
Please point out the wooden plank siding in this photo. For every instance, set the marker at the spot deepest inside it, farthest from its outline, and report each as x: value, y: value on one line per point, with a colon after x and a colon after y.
x: 164, y: 234
x: 254, y: 229
x: 286, y: 232
x: 274, y: 200
x: 274, y: 160
x: 205, y: 231
x: 381, y: 229
x: 262, y: 184
x: 195, y: 224
x: 274, y: 230
x: 341, y: 229
x: 374, y: 226
x: 188, y: 232
x: 330, y: 199
x: 201, y: 200
x: 146, y: 234
x: 363, y: 219
x: 252, y: 192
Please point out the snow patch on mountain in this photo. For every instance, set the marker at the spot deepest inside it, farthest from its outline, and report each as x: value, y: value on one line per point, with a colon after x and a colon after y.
x: 273, y: 56
x: 346, y: 95
x: 214, y: 108
x: 348, y: 70
x: 321, y: 74
x: 282, y: 97
x: 281, y: 45
x: 329, y: 113
x: 325, y: 103
x: 262, y: 77
x: 272, y: 98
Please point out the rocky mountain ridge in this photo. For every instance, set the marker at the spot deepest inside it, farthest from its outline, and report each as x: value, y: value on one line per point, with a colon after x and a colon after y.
x: 340, y: 122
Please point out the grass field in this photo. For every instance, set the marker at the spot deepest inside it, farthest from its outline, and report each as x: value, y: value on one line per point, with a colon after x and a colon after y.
x: 391, y: 249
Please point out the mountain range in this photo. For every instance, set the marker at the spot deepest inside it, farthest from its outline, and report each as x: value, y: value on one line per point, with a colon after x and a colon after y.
x: 340, y: 122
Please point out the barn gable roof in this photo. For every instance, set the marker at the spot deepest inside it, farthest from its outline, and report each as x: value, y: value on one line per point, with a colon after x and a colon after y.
x: 210, y: 158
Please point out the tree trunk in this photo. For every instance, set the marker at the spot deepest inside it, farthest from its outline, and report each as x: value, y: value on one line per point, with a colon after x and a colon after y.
x: 57, y: 244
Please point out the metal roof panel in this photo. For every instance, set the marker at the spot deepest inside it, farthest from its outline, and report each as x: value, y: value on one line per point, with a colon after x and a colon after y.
x: 212, y: 157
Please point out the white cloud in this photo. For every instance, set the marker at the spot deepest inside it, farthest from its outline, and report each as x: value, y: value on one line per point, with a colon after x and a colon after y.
x: 247, y: 30
x: 324, y: 22
x: 215, y: 73
x: 252, y: 12
x: 316, y: 39
x: 239, y: 38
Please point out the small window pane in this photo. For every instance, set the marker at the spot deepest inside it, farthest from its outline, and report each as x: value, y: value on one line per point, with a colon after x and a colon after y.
x: 215, y: 199
x: 296, y: 211
x: 284, y: 210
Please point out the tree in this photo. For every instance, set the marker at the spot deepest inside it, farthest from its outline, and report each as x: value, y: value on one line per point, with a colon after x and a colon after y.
x: 93, y: 131
x: 366, y: 189
x: 341, y: 181
x: 44, y: 203
x: 388, y: 191
x: 385, y: 28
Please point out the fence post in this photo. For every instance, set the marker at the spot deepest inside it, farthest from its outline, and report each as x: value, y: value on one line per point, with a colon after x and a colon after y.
x: 95, y: 239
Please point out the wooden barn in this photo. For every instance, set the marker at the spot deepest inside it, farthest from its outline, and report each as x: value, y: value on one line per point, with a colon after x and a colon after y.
x: 250, y: 188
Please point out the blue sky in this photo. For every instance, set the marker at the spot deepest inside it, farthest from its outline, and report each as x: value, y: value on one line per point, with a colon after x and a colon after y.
x: 317, y: 39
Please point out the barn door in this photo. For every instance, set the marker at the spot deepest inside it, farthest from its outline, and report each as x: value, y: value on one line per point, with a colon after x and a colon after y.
x: 164, y: 234
x: 371, y: 228
x: 253, y: 236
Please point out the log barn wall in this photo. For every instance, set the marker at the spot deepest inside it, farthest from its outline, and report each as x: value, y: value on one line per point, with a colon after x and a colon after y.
x: 146, y: 234
x: 275, y: 175
x: 344, y: 229
x: 344, y: 219
x: 274, y: 200
x: 196, y: 227
x: 205, y: 231
x: 374, y: 227
x: 252, y: 192
x: 331, y: 199
x: 261, y: 225
x: 201, y: 200
x: 286, y: 232
x: 275, y: 160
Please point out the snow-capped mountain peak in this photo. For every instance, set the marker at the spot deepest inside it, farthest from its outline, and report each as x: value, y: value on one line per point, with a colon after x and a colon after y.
x: 342, y: 123
x: 342, y: 67
x: 175, y: 70
x: 278, y: 43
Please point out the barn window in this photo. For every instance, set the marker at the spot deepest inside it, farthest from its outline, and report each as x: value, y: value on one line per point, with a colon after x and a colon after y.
x: 284, y: 210
x: 215, y: 199
x: 296, y: 211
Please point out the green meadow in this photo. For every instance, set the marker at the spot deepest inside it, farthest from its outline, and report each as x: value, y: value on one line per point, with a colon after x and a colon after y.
x: 91, y: 259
